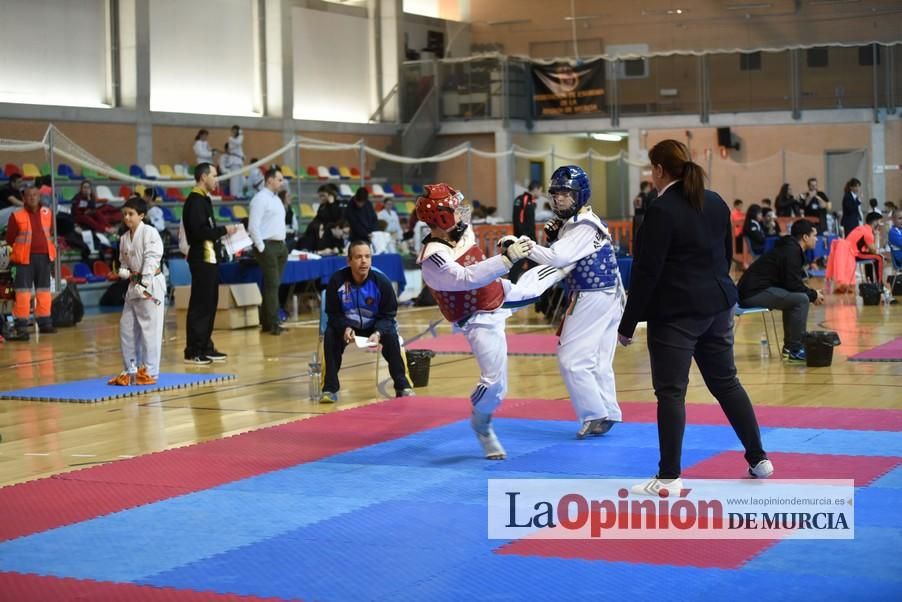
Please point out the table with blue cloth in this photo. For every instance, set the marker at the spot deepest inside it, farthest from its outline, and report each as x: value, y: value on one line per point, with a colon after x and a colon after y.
x: 389, y: 264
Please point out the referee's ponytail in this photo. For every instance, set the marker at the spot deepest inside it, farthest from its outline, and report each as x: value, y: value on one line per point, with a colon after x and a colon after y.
x: 673, y: 157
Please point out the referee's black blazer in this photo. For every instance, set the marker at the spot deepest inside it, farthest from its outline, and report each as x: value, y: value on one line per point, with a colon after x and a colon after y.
x: 682, y: 262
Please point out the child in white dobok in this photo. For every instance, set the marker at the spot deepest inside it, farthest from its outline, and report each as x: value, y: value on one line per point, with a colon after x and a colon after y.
x: 471, y: 295
x: 588, y: 336
x: 141, y: 324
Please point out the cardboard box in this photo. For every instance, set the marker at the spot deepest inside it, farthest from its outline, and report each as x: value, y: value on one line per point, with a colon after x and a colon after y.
x: 239, y: 295
x: 237, y: 317
x: 182, y: 295
x: 230, y: 296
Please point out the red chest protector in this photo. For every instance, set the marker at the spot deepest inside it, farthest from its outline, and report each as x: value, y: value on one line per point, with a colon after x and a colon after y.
x: 459, y: 305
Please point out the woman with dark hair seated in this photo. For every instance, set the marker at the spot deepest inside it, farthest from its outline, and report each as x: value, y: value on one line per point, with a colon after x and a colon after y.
x: 753, y: 229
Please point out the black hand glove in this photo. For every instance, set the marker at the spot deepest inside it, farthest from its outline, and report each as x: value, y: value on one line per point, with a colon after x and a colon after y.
x: 552, y: 228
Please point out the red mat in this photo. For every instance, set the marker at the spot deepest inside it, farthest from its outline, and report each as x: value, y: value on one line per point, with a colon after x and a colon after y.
x: 76, y: 496
x: 517, y: 344
x: 888, y: 352
x: 34, y: 588
x: 699, y: 413
x: 707, y: 553
x: 863, y: 469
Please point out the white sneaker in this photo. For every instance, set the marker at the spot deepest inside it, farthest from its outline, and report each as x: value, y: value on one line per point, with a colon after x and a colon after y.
x: 482, y: 426
x: 654, y: 486
x: 762, y: 469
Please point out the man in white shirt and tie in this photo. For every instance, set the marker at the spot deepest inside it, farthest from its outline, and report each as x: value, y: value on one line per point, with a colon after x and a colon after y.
x: 266, y: 228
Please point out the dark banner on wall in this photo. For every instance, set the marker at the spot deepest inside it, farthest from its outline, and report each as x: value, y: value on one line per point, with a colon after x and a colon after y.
x: 564, y: 90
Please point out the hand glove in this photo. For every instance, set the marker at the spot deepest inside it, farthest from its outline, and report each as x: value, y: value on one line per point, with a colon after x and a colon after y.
x: 552, y: 228
x: 529, y: 242
x: 518, y: 250
x: 505, y: 241
x: 124, y: 273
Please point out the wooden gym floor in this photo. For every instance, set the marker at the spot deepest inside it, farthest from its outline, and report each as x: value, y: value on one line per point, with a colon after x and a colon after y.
x: 42, y: 438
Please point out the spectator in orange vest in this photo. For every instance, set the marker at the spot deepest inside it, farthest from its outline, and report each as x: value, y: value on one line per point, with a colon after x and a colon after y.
x: 737, y: 216
x: 33, y: 253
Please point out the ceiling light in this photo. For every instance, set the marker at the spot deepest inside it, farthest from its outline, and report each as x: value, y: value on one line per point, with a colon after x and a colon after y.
x: 607, y: 136
x: 582, y: 18
x: 676, y: 11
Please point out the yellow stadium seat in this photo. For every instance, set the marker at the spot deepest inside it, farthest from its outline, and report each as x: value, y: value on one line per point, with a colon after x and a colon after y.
x: 239, y: 211
x: 344, y: 171
x: 288, y: 172
x: 166, y: 172
x: 30, y: 170
x: 307, y: 211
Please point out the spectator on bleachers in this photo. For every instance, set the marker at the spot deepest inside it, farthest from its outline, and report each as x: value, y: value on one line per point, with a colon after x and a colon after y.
x: 224, y: 163
x: 11, y: 194
x: 361, y: 215
x: 816, y: 203
x: 202, y: 151
x: 851, y: 206
x: 383, y: 242
x: 291, y: 219
x: 737, y: 217
x: 236, y: 162
x: 329, y: 210
x: 236, y: 142
x: 786, y: 204
x: 766, y: 202
x: 155, y: 214
x: 334, y: 238
x: 255, y: 179
x: 776, y: 281
x: 390, y: 216
x: 895, y: 237
x: 769, y: 222
x: 753, y: 229
x: 874, y: 207
x: 100, y: 218
x: 33, y: 253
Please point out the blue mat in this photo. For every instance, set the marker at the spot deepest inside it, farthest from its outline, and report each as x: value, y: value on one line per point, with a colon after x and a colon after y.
x: 92, y: 390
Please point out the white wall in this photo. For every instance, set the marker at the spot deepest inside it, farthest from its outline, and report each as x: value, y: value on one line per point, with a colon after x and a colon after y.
x: 332, y: 79
x: 202, y: 57
x: 54, y: 53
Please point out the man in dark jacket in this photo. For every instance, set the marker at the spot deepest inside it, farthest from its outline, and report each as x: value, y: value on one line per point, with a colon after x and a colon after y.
x: 775, y: 281
x: 361, y: 215
x: 524, y: 216
x: 204, y: 251
x: 361, y: 302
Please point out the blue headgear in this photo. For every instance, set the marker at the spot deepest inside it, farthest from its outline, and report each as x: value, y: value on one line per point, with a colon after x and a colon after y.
x: 571, y: 178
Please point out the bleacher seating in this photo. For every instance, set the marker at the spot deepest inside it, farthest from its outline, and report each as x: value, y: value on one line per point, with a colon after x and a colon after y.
x: 125, y: 192
x: 65, y: 171
x: 173, y: 194
x: 239, y: 212
x: 355, y: 173
x: 323, y: 172
x: 288, y: 172
x: 344, y: 172
x: 182, y: 172
x: 334, y: 173
x: 312, y: 172
x: 104, y: 193
x: 30, y: 171
x: 345, y: 191
x: 151, y: 172
x: 137, y: 171
x: 166, y: 172
x: 10, y: 169
x: 81, y: 270
x: 307, y: 211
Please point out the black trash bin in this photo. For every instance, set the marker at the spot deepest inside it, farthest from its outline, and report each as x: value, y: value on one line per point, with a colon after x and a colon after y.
x: 870, y: 293
x: 819, y: 346
x: 418, y: 361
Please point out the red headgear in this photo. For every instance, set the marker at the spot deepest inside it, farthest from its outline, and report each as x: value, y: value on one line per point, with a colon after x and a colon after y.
x: 436, y: 207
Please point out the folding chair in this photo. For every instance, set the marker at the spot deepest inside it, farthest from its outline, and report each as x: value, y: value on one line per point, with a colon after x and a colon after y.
x: 741, y: 311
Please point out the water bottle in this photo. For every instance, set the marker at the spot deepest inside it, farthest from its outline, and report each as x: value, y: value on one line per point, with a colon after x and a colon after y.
x: 765, y: 348
x: 132, y: 373
x: 294, y: 308
x: 314, y: 387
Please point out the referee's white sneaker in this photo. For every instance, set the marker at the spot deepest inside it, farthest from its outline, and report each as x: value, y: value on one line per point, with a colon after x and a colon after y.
x: 762, y: 469
x: 654, y: 486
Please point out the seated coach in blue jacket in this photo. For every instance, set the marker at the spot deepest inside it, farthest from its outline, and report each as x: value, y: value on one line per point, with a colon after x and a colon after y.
x: 360, y: 301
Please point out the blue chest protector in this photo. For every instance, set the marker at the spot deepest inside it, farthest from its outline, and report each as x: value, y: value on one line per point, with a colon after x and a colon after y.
x: 597, y: 271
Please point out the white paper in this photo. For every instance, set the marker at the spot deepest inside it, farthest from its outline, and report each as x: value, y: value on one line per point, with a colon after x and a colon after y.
x: 238, y: 240
x: 364, y: 342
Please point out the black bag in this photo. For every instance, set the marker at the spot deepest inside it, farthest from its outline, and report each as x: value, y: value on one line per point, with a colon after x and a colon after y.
x: 870, y: 293
x: 114, y: 296
x: 67, y: 309
x: 897, y: 287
